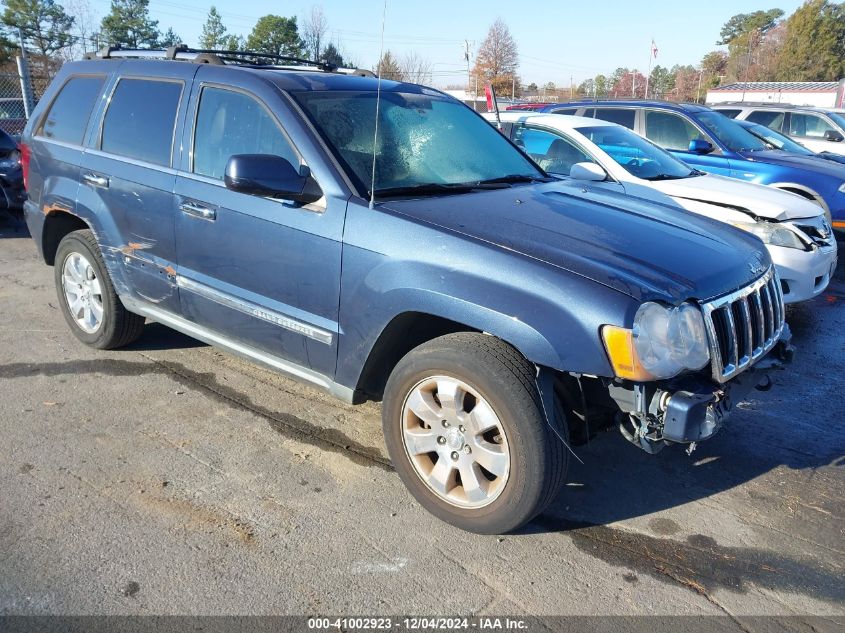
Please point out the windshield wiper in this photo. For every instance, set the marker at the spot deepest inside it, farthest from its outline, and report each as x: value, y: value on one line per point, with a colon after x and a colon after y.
x: 668, y: 177
x: 426, y: 189
x: 512, y: 178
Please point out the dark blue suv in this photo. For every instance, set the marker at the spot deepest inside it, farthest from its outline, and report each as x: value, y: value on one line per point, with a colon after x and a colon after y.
x: 709, y: 140
x: 424, y: 261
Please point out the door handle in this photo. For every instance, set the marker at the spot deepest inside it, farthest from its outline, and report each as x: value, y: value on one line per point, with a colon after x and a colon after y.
x: 198, y: 211
x: 96, y: 181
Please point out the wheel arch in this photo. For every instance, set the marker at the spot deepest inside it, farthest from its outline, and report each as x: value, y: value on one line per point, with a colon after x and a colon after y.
x: 57, y: 224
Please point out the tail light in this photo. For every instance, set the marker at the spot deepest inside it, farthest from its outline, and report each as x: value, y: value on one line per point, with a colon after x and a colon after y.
x: 25, y: 156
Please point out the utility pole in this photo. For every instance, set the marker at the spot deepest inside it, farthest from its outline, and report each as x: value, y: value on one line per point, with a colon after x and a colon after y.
x: 513, y: 88
x: 571, y: 87
x: 467, y: 58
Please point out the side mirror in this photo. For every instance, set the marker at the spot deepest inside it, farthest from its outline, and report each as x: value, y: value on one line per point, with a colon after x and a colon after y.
x: 833, y: 135
x: 271, y: 176
x: 700, y: 146
x: 587, y: 171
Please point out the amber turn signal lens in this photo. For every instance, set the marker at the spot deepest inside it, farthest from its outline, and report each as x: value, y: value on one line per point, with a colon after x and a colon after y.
x: 619, y: 343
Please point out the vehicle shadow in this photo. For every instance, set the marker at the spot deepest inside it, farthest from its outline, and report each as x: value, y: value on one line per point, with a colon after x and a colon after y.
x: 158, y: 337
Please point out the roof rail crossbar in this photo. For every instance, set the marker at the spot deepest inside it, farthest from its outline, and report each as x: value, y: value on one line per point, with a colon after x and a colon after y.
x: 207, y: 56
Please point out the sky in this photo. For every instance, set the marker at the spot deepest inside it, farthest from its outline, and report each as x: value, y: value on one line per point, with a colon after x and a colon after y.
x: 559, y: 41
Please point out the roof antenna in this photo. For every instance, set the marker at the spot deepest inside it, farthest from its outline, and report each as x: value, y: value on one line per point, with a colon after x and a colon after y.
x: 378, y: 102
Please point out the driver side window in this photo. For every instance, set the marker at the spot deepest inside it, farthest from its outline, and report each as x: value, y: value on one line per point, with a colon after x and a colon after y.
x: 670, y: 131
x: 552, y: 152
x: 230, y: 123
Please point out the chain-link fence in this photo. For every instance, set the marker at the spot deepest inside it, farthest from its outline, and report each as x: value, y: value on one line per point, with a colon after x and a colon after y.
x: 20, y: 91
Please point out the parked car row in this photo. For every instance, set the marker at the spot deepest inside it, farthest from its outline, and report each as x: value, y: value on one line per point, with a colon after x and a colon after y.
x: 818, y: 129
x: 381, y: 240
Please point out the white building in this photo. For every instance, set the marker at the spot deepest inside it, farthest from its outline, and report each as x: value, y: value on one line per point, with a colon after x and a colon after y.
x: 823, y: 94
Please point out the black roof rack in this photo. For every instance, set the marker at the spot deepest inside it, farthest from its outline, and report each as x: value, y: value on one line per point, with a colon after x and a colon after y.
x: 213, y: 56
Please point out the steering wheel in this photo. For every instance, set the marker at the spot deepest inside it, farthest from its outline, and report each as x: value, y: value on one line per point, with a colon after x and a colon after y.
x: 635, y: 162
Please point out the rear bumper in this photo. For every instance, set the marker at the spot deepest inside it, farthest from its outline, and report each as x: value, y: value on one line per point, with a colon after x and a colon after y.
x: 35, y: 222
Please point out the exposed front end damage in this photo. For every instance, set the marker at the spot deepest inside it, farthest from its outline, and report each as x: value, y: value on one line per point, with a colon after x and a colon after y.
x: 690, y: 408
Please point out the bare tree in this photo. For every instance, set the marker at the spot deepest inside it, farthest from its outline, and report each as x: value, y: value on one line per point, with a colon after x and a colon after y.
x: 84, y: 31
x: 314, y: 27
x: 415, y: 69
x: 498, y: 58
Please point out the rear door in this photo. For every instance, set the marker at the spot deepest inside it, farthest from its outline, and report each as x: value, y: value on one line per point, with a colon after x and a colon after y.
x: 128, y: 177
x: 56, y: 142
x: 261, y: 271
x: 673, y: 132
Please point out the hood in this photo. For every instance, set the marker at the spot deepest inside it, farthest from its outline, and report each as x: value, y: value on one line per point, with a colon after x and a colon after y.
x: 759, y: 200
x: 815, y: 164
x: 643, y: 249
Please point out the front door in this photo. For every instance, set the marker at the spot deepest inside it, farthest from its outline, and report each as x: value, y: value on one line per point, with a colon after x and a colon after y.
x: 262, y: 271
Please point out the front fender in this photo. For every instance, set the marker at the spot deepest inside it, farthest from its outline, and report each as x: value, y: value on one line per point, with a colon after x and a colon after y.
x: 551, y: 316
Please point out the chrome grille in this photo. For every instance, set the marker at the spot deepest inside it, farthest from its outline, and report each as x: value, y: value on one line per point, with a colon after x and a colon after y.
x: 744, y: 325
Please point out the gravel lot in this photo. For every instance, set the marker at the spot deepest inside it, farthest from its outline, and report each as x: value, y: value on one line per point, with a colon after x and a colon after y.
x: 170, y: 478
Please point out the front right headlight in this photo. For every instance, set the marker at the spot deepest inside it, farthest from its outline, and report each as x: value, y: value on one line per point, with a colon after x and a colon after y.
x: 773, y: 234
x: 663, y: 342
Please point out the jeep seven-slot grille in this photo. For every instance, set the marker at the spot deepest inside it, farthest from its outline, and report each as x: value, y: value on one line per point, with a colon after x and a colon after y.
x: 744, y: 325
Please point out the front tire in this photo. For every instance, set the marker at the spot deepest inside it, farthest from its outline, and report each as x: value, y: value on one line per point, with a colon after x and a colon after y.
x: 465, y: 430
x: 87, y: 297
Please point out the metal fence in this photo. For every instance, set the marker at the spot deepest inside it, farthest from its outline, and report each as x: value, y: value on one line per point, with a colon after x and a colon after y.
x: 19, y: 92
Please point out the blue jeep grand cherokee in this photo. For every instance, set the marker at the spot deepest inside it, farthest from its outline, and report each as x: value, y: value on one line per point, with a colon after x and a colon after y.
x: 497, y: 316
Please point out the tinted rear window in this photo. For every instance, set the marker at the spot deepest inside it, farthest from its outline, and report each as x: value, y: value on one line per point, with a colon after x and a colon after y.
x: 621, y: 116
x: 769, y: 118
x: 140, y: 120
x: 68, y: 116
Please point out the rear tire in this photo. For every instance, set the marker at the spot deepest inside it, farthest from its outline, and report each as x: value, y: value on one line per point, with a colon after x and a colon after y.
x: 87, y: 298
x: 488, y: 464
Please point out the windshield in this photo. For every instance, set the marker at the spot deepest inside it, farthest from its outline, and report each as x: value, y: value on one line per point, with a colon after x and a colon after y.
x: 730, y: 133
x: 426, y: 142
x: 639, y: 157
x: 778, y: 140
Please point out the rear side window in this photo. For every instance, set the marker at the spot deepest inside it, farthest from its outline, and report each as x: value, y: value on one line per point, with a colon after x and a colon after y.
x: 230, y: 123
x: 140, y: 120
x: 731, y: 114
x: 769, y: 118
x: 68, y: 116
x: 621, y: 116
x: 565, y: 111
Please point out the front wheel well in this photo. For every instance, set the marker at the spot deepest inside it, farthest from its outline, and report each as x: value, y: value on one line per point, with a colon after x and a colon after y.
x: 405, y: 332
x: 56, y: 226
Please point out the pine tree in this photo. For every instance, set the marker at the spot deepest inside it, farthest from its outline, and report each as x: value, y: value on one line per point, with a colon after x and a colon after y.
x: 213, y: 32
x: 129, y: 25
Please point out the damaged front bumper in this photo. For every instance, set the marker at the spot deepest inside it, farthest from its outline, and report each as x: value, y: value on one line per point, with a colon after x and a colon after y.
x: 690, y: 409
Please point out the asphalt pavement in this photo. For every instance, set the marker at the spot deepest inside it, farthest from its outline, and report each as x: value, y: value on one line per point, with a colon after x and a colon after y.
x: 172, y: 478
